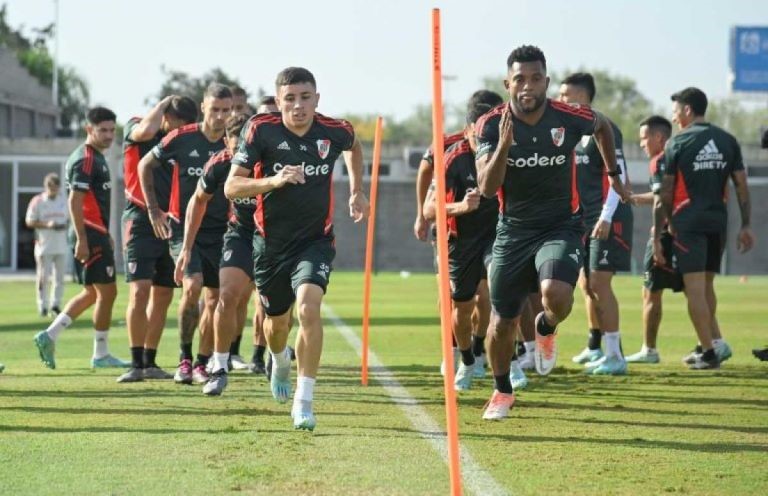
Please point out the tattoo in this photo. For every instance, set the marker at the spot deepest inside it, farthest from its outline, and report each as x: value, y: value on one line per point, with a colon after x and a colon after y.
x: 659, y: 217
x: 188, y: 321
x: 746, y: 209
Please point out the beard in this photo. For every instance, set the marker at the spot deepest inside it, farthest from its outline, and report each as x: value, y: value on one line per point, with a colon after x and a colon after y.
x: 529, y: 108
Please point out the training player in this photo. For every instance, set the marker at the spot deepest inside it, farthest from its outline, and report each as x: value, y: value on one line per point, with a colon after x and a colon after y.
x: 654, y: 133
x: 291, y: 156
x: 187, y: 149
x: 699, y: 160
x: 240, y: 101
x: 524, y: 153
x: 471, y: 230
x: 607, y: 240
x: 90, y: 183
x: 148, y: 262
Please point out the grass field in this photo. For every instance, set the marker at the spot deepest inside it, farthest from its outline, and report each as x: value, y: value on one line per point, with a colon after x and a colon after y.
x: 661, y: 429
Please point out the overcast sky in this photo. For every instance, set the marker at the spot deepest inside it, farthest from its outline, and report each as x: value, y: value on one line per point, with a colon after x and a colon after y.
x: 374, y: 57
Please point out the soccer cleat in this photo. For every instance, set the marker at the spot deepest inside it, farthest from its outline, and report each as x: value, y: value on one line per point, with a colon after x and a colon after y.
x: 133, y: 375
x: 644, y: 356
x: 612, y: 365
x: 216, y: 384
x: 526, y: 361
x: 479, y: 371
x: 280, y: 382
x: 303, y: 418
x: 587, y: 355
x: 691, y: 357
x: 183, y: 372
x: 257, y: 367
x: 545, y: 355
x: 463, y: 379
x: 456, y: 361
x: 199, y: 374
x: 2, y: 367
x: 498, y: 406
x: 761, y: 355
x: 516, y: 376
x: 46, y: 347
x: 109, y: 362
x: 701, y: 364
x: 238, y: 363
x: 723, y: 352
x: 156, y: 373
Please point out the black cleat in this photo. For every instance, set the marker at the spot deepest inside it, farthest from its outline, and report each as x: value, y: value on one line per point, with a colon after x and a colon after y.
x: 761, y: 355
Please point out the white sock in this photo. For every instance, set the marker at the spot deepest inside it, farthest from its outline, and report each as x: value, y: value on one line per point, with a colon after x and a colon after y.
x: 305, y: 389
x: 612, y: 344
x: 530, y: 346
x: 100, y: 346
x: 718, y: 342
x: 646, y: 349
x: 220, y: 361
x: 282, y: 359
x: 513, y: 364
x: 61, y: 322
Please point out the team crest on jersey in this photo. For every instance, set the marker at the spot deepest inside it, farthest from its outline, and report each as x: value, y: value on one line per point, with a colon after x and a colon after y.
x: 264, y: 301
x: 227, y: 255
x: 110, y: 271
x: 558, y: 135
x: 323, y: 147
x: 132, y: 267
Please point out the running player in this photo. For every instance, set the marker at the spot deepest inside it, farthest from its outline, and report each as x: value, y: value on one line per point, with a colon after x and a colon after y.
x: 291, y: 156
x: 148, y: 263
x: 187, y: 149
x: 90, y: 183
x: 654, y: 133
x: 700, y: 159
x: 524, y: 153
x: 608, y: 238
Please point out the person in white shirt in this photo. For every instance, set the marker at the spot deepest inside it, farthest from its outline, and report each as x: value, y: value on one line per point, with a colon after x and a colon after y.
x: 47, y: 214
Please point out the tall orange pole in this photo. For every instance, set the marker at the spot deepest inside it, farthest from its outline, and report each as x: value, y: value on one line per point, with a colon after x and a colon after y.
x: 369, y: 248
x: 451, y: 413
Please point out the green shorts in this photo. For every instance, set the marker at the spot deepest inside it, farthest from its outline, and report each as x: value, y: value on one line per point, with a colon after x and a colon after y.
x: 279, y: 273
x: 205, y: 257
x: 523, y: 258
x: 100, y: 266
x: 667, y: 276
x: 467, y: 262
x: 699, y: 251
x: 146, y: 256
x: 613, y: 254
x: 238, y: 249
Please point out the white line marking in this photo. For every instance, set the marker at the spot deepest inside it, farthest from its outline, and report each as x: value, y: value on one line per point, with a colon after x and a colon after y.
x: 476, y: 480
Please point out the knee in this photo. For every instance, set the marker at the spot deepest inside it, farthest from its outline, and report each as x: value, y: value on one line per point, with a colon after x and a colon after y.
x: 501, y: 327
x: 309, y: 312
x: 139, y: 295
x: 191, y: 294
x: 558, y: 302
x: 228, y: 301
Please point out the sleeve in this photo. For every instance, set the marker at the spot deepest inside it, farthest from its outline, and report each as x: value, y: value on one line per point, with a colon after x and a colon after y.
x: 670, y: 162
x: 81, y: 178
x: 166, y: 149
x: 487, y: 136
x: 738, y: 159
x: 128, y: 129
x: 249, y: 149
x: 347, y: 137
x: 209, y: 181
x: 579, y: 118
x: 612, y: 199
x: 33, y: 210
x: 657, y: 174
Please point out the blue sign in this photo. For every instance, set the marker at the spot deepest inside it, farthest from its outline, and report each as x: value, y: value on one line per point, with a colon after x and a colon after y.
x: 749, y: 59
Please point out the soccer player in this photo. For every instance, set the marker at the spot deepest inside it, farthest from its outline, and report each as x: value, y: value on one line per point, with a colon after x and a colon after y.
x: 524, y: 153
x: 187, y: 149
x: 47, y: 214
x: 471, y: 230
x: 240, y: 101
x: 608, y: 238
x: 291, y: 156
x: 654, y: 133
x: 148, y: 263
x: 699, y: 160
x: 89, y: 183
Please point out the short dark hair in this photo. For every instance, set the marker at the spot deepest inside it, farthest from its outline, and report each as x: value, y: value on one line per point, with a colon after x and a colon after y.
x: 294, y: 75
x: 486, y: 97
x: 526, y: 53
x: 238, y: 91
x: 52, y: 179
x: 235, y: 124
x: 217, y: 90
x: 267, y: 100
x: 694, y: 98
x: 477, y: 111
x: 182, y: 107
x: 583, y: 80
x: 97, y: 115
x: 658, y: 124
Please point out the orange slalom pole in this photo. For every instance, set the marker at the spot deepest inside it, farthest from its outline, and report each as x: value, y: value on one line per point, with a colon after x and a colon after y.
x: 369, y: 248
x: 451, y: 411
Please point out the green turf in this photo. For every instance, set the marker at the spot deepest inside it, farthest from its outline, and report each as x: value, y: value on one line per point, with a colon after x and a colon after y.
x: 661, y: 429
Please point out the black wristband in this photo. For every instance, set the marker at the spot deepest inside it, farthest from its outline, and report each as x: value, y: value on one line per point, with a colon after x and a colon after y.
x: 613, y: 173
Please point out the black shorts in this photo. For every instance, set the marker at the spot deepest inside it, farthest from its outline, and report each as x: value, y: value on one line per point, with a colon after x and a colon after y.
x: 613, y: 254
x: 100, y: 266
x: 205, y: 256
x: 238, y: 250
x: 278, y: 274
x: 667, y: 276
x: 699, y: 251
x: 145, y: 255
x: 467, y: 263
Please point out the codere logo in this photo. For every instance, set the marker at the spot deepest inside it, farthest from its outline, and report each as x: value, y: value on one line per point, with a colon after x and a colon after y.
x: 536, y: 160
x: 309, y: 169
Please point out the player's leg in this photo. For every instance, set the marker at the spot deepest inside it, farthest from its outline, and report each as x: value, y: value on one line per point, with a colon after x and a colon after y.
x: 41, y: 283
x: 600, y: 282
x: 188, y: 319
x: 160, y: 298
x: 205, y: 344
x: 59, y: 267
x: 136, y: 322
x: 465, y: 272
x: 593, y: 351
x: 258, y: 365
x: 531, y: 308
x: 46, y: 340
x: 652, y: 311
x: 483, y: 312
x: 242, y: 315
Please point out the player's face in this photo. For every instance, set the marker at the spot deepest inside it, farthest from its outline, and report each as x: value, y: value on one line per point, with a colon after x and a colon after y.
x: 51, y: 190
x: 572, y: 94
x: 527, y: 86
x: 240, y: 105
x: 651, y: 142
x: 297, y: 103
x: 170, y: 123
x: 102, y: 134
x: 215, y: 112
x: 681, y: 114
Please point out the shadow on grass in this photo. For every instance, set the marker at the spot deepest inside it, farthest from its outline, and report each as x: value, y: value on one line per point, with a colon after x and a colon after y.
x: 115, y: 429
x: 388, y: 321
x: 143, y: 411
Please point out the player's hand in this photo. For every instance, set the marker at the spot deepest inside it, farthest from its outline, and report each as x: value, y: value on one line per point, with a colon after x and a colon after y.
x: 621, y: 189
x: 506, y: 134
x: 81, y: 250
x: 181, y: 266
x: 601, y: 230
x: 471, y: 200
x: 359, y: 208
x: 746, y: 239
x: 658, y: 252
x: 161, y: 223
x: 420, y: 228
x: 290, y: 174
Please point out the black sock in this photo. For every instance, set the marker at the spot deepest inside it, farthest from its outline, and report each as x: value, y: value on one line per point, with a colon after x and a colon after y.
x: 186, y: 351
x: 478, y: 345
x: 709, y: 355
x: 543, y: 327
x: 501, y: 383
x: 258, y: 353
x: 202, y: 360
x: 699, y: 349
x: 234, y: 348
x: 137, y: 357
x: 149, y: 357
x: 595, y: 336
x: 467, y: 357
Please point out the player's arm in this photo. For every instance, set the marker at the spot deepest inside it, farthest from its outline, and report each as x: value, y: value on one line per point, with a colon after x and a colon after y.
x: 602, y: 228
x: 492, y: 167
x: 157, y: 217
x: 196, y: 208
x: 604, y: 139
x: 642, y: 198
x: 746, y: 238
x: 239, y: 185
x: 662, y: 212
x: 32, y: 218
x: 150, y: 124
x: 423, y: 180
x: 470, y: 203
x: 359, y: 207
x: 76, y: 200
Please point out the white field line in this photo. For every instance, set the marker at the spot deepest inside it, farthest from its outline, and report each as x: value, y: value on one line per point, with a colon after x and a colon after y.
x: 476, y: 480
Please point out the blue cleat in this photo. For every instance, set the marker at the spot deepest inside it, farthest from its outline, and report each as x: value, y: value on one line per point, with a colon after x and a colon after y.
x: 587, y: 356
x: 517, y: 376
x: 479, y: 371
x: 109, y: 362
x: 46, y: 347
x: 613, y: 365
x: 463, y: 379
x: 303, y: 418
x: 723, y: 352
x: 280, y: 382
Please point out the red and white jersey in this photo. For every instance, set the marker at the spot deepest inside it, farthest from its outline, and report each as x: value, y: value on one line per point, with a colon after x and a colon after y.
x: 45, y: 209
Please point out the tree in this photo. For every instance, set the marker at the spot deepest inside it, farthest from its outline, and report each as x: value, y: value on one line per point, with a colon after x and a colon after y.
x: 182, y: 84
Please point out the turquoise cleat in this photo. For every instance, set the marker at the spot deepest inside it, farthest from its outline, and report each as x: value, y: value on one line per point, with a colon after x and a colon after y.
x: 723, y: 352
x: 109, y: 362
x: 644, y: 356
x: 463, y: 380
x: 613, y: 365
x: 479, y: 372
x: 280, y: 383
x: 517, y: 376
x: 587, y: 356
x: 303, y: 418
x: 46, y: 347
